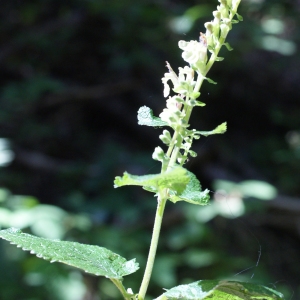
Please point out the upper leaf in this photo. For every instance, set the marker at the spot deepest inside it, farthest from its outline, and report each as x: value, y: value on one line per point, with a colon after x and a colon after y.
x: 145, y: 117
x: 175, y: 180
x: 192, y: 193
x: 220, y: 290
x: 218, y: 130
x: 92, y: 259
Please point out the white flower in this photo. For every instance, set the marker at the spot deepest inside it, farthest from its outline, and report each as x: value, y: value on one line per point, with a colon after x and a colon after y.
x: 186, y: 74
x: 172, y: 113
x: 171, y: 75
x: 193, y: 51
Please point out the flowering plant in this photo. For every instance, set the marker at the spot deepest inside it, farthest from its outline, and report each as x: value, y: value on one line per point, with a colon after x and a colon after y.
x: 173, y: 183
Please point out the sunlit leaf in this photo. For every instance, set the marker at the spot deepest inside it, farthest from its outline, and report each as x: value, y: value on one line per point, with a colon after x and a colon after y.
x: 92, y: 259
x: 146, y: 117
x: 192, y: 193
x: 221, y: 290
x: 175, y: 179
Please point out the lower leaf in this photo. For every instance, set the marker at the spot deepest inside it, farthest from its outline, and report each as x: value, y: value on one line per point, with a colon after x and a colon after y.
x: 221, y: 290
x: 92, y: 259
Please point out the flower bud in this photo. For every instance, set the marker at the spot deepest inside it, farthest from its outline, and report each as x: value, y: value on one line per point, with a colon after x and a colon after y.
x: 223, y: 10
x: 217, y: 15
x: 209, y: 27
x: 158, y: 154
x: 224, y: 30
x: 192, y: 153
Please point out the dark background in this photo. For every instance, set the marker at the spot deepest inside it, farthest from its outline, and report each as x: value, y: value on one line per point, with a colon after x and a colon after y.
x: 73, y: 75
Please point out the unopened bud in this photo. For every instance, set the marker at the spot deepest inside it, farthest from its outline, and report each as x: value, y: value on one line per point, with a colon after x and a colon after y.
x: 158, y: 154
x: 209, y: 27
x: 224, y: 30
x: 217, y: 14
x: 165, y: 137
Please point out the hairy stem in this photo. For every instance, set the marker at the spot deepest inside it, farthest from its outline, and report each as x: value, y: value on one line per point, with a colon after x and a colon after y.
x: 121, y: 288
x: 162, y: 199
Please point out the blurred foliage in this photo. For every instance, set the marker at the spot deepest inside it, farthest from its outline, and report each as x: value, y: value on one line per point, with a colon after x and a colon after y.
x: 73, y: 75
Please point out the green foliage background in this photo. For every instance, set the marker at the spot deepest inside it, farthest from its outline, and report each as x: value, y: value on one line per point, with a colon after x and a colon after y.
x: 73, y: 75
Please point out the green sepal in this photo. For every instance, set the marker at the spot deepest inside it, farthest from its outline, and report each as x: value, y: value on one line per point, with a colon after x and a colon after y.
x: 192, y: 193
x: 234, y: 21
x: 199, y: 103
x: 220, y: 290
x: 194, y: 95
x: 227, y: 45
x: 145, y: 117
x: 219, y: 58
x: 218, y: 130
x: 175, y: 180
x: 240, y: 18
x: 92, y: 259
x: 210, y: 80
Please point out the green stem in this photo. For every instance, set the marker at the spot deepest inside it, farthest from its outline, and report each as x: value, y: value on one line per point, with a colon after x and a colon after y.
x: 172, y: 153
x: 121, y: 288
x: 162, y: 199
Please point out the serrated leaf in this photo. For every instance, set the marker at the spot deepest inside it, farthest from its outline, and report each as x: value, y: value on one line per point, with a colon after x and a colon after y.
x: 145, y: 117
x: 218, y: 130
x: 221, y: 290
x: 192, y: 193
x: 92, y: 259
x: 175, y: 179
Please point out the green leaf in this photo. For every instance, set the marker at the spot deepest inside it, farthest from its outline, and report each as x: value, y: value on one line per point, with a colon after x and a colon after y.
x: 192, y: 193
x: 221, y: 290
x: 175, y: 180
x: 92, y: 259
x: 194, y: 95
x: 145, y: 117
x: 218, y: 130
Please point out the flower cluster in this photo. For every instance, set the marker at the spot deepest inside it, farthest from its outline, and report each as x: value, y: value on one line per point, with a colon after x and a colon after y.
x: 187, y: 83
x: 217, y: 30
